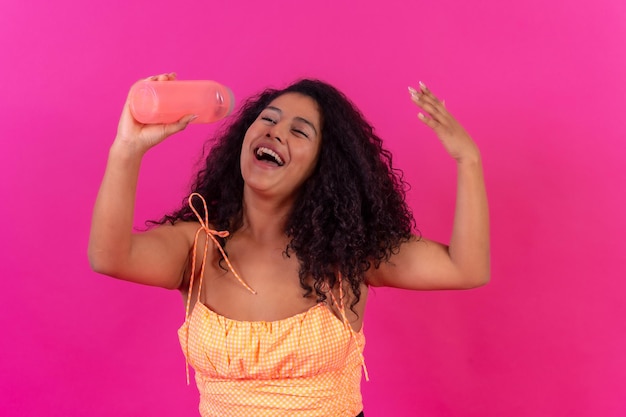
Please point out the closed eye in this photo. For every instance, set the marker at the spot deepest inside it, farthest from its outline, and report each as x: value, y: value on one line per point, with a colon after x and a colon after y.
x: 268, y: 119
x: 300, y: 132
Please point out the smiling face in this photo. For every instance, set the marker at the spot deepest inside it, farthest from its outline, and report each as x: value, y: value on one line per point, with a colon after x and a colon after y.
x: 281, y: 147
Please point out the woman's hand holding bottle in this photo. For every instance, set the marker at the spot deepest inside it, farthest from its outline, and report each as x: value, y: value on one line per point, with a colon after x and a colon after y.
x: 137, y: 137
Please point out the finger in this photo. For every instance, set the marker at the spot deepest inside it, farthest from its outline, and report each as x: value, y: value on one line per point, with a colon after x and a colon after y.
x: 428, y: 105
x: 428, y: 94
x: 424, y: 96
x: 171, y: 128
x: 166, y: 77
x: 425, y: 90
x: 162, y: 77
x: 428, y: 121
x: 431, y: 98
x: 438, y: 111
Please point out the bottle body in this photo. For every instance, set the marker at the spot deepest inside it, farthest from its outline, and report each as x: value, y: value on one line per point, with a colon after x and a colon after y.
x: 153, y: 102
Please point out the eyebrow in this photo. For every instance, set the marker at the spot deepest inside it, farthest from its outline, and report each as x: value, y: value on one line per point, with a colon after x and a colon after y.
x: 302, y: 119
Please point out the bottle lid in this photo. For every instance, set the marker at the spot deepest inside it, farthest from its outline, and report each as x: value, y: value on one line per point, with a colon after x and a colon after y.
x: 231, y: 100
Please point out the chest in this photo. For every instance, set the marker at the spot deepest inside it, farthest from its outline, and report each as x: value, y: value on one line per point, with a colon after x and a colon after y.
x: 268, y: 271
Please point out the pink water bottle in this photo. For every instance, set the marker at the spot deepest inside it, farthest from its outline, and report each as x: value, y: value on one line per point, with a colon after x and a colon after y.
x: 168, y: 101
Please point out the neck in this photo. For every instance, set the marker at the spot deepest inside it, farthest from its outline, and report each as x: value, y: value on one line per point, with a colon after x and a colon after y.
x: 264, y: 218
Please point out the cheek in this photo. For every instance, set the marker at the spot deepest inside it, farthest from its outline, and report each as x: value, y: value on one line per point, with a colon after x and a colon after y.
x: 250, y: 134
x: 256, y: 129
x: 247, y: 137
x: 308, y: 156
x: 243, y: 156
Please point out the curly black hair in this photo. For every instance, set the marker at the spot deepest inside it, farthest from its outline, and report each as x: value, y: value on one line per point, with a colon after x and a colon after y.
x: 350, y: 213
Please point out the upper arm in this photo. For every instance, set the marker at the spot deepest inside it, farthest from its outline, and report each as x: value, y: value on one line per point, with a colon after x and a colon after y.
x: 156, y: 257
x: 422, y: 264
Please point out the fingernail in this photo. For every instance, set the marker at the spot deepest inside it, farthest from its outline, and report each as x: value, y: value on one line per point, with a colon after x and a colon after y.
x: 412, y: 91
x: 423, y: 86
x: 194, y: 117
x: 421, y: 116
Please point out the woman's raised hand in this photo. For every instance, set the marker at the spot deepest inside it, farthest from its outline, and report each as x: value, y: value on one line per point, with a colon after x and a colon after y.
x: 455, y: 139
x: 141, y: 137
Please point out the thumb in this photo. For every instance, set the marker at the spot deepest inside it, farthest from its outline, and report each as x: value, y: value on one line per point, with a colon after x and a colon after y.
x: 172, y: 128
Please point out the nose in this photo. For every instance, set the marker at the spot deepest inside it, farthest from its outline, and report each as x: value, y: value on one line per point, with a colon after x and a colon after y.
x: 275, y: 133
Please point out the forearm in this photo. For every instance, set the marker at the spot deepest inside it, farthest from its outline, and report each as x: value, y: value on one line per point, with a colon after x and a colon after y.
x: 469, y: 244
x: 112, y: 220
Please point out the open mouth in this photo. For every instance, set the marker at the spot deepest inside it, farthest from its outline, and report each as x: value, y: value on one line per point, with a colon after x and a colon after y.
x: 265, y: 154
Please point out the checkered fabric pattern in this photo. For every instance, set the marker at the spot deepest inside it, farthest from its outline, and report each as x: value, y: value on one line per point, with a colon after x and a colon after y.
x: 303, y: 366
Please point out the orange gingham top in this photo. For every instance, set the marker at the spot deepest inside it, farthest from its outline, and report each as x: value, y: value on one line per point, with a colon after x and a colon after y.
x: 307, y: 365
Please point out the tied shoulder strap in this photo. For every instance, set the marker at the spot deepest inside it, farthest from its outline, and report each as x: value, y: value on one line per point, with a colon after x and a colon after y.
x: 210, y: 233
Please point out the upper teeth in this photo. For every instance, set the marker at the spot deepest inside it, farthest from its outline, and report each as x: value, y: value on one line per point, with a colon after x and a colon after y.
x: 262, y: 150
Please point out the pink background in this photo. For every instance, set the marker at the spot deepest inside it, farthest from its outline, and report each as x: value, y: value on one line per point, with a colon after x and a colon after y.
x: 540, y: 85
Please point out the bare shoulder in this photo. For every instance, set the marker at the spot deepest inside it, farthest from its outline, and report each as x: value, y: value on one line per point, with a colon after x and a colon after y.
x: 185, y: 229
x: 195, y: 240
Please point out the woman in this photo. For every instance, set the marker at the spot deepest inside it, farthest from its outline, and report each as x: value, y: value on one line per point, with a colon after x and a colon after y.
x: 296, y: 213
